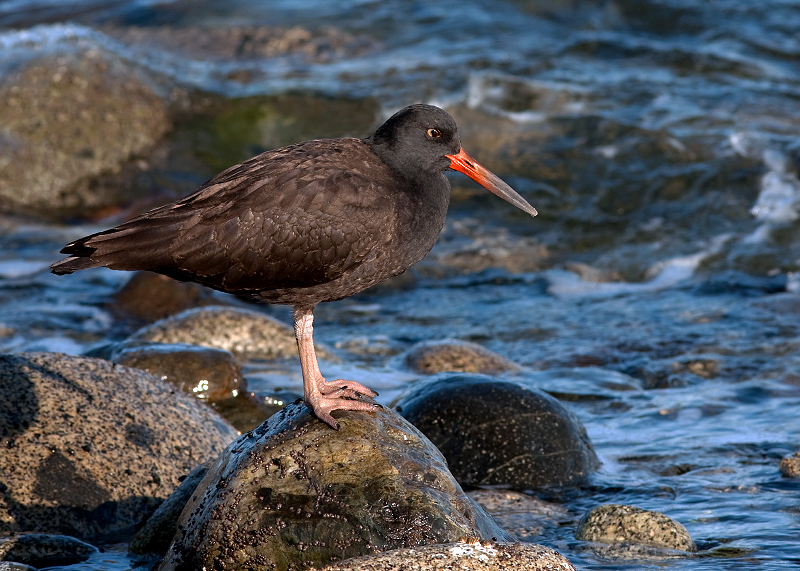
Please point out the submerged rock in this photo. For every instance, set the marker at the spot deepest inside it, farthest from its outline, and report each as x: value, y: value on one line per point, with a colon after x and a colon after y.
x: 246, y: 333
x: 452, y: 355
x: 296, y: 493
x: 499, y: 433
x: 615, y: 523
x: 520, y: 514
x: 204, y: 372
x: 67, y: 118
x: 463, y: 556
x: 91, y: 448
x: 42, y: 550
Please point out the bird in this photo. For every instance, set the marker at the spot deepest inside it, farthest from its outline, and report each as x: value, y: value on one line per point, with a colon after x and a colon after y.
x: 311, y: 222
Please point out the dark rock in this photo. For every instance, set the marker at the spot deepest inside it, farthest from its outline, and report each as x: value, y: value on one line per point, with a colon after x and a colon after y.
x: 41, y: 550
x: 246, y: 411
x: 452, y: 355
x: 790, y: 466
x: 739, y: 283
x: 614, y: 523
x: 207, y: 373
x: 159, y: 529
x: 474, y: 556
x: 91, y: 448
x: 246, y: 333
x: 294, y: 492
x: 66, y: 119
x: 522, y: 515
x: 149, y: 296
x: 499, y: 433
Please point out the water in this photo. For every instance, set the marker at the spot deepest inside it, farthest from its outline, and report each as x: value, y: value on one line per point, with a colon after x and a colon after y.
x: 656, y: 293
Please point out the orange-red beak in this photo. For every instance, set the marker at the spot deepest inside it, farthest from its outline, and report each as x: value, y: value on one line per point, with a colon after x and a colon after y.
x: 462, y: 162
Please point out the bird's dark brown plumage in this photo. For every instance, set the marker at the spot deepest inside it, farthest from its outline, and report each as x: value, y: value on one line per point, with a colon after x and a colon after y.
x: 315, y: 221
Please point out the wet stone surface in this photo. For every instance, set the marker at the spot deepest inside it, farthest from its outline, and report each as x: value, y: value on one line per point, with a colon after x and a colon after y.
x: 467, y: 556
x: 246, y: 411
x: 614, y: 523
x: 303, y: 494
x: 495, y: 432
x: 209, y: 374
x: 91, y: 448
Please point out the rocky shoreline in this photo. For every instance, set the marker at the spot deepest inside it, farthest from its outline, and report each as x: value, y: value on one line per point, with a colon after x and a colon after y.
x: 291, y: 493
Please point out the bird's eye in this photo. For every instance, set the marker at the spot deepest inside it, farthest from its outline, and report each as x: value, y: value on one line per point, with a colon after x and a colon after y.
x: 434, y: 133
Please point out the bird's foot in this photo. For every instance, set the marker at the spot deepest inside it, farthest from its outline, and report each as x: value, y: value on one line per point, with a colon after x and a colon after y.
x: 344, y: 388
x: 339, y: 395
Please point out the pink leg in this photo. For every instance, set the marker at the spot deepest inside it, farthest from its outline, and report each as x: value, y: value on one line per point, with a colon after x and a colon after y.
x: 320, y: 396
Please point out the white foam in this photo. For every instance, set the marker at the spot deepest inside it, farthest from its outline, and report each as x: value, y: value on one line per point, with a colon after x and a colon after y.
x: 662, y: 275
x: 778, y: 201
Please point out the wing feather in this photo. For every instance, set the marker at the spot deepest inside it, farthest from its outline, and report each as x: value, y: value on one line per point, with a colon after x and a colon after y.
x: 293, y: 217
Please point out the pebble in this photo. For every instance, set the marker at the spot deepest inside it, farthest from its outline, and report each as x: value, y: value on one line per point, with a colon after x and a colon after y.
x: 432, y: 357
x: 620, y: 524
x: 790, y: 466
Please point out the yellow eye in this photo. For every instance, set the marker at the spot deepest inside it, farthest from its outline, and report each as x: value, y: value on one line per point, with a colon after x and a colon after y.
x: 433, y: 133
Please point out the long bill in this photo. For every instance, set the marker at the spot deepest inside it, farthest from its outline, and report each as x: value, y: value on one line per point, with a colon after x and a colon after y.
x: 462, y: 162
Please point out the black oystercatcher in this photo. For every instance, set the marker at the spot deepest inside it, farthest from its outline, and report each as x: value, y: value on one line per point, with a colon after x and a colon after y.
x: 315, y: 221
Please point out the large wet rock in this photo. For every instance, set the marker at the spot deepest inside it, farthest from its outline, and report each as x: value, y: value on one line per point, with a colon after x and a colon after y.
x: 614, y: 523
x: 245, y: 333
x: 500, y: 433
x: 91, y: 448
x: 463, y: 556
x: 432, y: 357
x: 294, y: 492
x: 67, y: 118
x: 207, y: 373
x: 42, y: 550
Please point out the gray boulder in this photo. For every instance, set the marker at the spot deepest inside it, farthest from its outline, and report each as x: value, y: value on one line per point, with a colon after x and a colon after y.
x: 91, y: 448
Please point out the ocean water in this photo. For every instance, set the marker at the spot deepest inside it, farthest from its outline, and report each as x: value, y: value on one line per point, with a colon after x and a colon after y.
x: 657, y: 293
